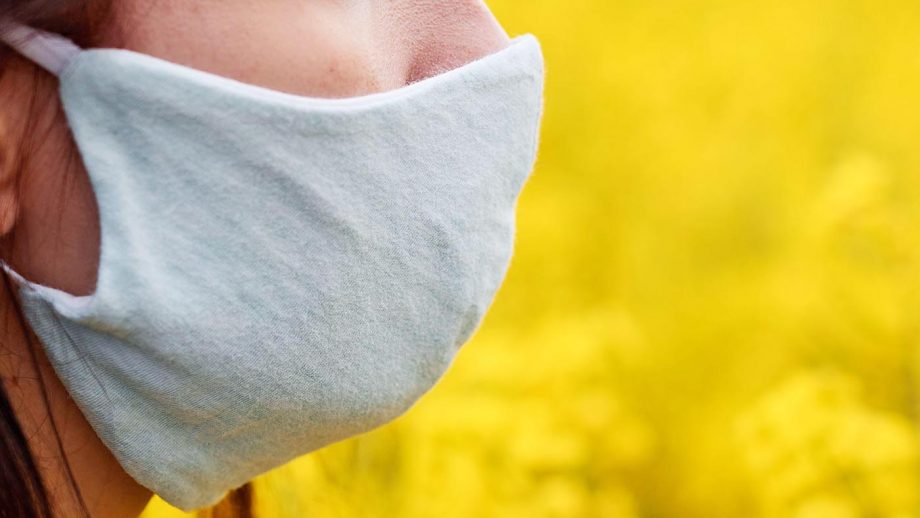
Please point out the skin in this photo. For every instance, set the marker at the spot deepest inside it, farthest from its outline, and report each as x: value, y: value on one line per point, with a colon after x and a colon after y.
x: 322, y: 48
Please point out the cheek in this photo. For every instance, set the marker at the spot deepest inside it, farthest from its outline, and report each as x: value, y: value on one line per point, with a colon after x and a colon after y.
x: 315, y: 49
x: 57, y: 236
x: 320, y: 49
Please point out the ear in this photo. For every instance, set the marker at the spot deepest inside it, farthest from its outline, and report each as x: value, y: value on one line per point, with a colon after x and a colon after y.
x: 10, y: 168
x: 18, y: 84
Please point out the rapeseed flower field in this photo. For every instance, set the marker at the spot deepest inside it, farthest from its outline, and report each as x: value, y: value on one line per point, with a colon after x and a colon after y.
x: 714, y: 305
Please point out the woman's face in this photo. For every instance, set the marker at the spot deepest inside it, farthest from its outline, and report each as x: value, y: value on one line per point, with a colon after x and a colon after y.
x: 48, y: 213
x: 321, y: 48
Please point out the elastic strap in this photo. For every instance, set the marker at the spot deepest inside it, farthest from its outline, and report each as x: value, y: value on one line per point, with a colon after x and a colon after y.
x: 50, y: 51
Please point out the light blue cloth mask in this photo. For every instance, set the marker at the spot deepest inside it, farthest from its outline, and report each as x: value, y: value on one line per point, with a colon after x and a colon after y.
x: 277, y: 272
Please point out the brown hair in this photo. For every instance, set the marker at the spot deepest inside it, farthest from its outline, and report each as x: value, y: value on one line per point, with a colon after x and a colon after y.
x: 22, y: 490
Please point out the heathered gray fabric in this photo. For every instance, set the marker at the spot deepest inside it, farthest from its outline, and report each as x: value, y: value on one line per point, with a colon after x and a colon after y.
x: 278, y: 272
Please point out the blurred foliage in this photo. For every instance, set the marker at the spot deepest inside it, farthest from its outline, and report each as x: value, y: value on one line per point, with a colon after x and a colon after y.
x: 712, y: 309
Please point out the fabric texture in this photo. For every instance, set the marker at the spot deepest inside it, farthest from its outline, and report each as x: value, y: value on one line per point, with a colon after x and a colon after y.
x: 279, y: 272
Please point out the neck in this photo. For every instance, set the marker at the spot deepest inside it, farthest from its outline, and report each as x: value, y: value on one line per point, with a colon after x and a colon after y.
x: 57, y: 432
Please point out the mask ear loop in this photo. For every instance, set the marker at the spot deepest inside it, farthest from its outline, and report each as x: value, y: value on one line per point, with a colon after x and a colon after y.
x: 50, y: 51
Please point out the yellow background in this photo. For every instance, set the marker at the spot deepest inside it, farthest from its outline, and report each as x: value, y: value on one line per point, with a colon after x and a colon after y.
x: 713, y: 306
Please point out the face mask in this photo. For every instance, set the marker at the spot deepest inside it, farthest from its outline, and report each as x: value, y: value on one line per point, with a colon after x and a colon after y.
x: 277, y: 272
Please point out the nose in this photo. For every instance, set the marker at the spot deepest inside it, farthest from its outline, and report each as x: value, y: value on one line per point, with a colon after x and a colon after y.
x: 443, y: 35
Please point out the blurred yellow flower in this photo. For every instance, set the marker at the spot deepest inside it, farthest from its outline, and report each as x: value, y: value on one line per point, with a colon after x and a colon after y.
x: 814, y: 433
